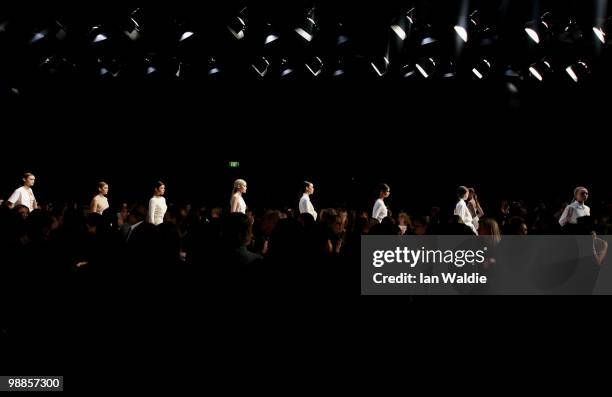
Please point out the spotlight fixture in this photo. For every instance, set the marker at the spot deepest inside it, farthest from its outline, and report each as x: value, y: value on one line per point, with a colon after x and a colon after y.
x: 341, y: 36
x: 539, y: 29
x: 308, y: 27
x: 98, y: 35
x: 402, y: 26
x: 339, y: 69
x: 58, y: 32
x: 603, y: 29
x: 39, y: 36
x: 448, y: 70
x: 428, y: 39
x: 380, y: 66
x: 315, y: 66
x: 108, y: 68
x: 472, y: 28
x: 427, y: 67
x: 134, y: 25
x: 541, y: 70
x: 271, y: 35
x: 186, y: 35
x: 238, y: 25
x: 261, y: 66
x: 408, y: 71
x: 285, y: 69
x: 482, y: 69
x: 152, y: 67
x: 213, y: 67
x: 578, y: 71
x: 462, y: 33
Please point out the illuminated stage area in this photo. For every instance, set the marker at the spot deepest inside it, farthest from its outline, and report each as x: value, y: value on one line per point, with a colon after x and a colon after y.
x: 348, y: 89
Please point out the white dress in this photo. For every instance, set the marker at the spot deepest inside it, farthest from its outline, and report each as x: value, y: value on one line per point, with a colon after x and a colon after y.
x: 157, y: 210
x: 380, y: 210
x: 241, y: 203
x: 306, y: 206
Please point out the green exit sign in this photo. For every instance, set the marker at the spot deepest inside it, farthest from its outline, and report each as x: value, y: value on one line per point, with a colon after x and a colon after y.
x: 234, y: 164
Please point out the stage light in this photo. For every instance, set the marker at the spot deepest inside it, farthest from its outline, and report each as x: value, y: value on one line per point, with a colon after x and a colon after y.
x: 482, y: 69
x: 602, y: 30
x: 341, y: 36
x: 540, y: 70
x: 402, y: 26
x: 261, y: 66
x: 407, y: 71
x: 98, y: 35
x: 151, y: 65
x: 315, y: 66
x: 578, y: 71
x: 537, y: 30
x: 108, y: 68
x: 285, y: 69
x: 449, y: 70
x: 307, y: 30
x: 380, y: 66
x: 601, y: 35
x: 213, y: 67
x: 238, y: 25
x: 133, y: 30
x: 462, y: 33
x: 186, y: 35
x: 428, y: 38
x: 513, y: 80
x: 39, y: 36
x: 58, y: 31
x: 472, y: 28
x: 426, y: 67
x: 533, y: 34
x: 339, y: 69
x: 271, y: 35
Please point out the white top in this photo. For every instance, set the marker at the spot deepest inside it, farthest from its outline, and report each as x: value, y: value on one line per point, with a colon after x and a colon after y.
x: 157, y: 210
x: 23, y: 196
x: 241, y: 203
x: 99, y: 204
x: 380, y: 210
x: 572, y: 212
x: 464, y: 213
x: 306, y: 206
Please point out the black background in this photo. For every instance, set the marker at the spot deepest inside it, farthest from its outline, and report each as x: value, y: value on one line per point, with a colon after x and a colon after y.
x: 346, y: 136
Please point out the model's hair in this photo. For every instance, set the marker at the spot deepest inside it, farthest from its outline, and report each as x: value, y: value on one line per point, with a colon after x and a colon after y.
x: 493, y: 230
x: 26, y: 175
x: 101, y: 185
x: 158, y: 184
x: 239, y: 183
x: 306, y: 185
x: 578, y: 189
x: 462, y: 191
x: 383, y: 188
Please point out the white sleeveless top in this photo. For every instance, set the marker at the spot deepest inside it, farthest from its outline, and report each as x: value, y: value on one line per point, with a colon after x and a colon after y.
x: 100, y: 203
x: 241, y: 203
